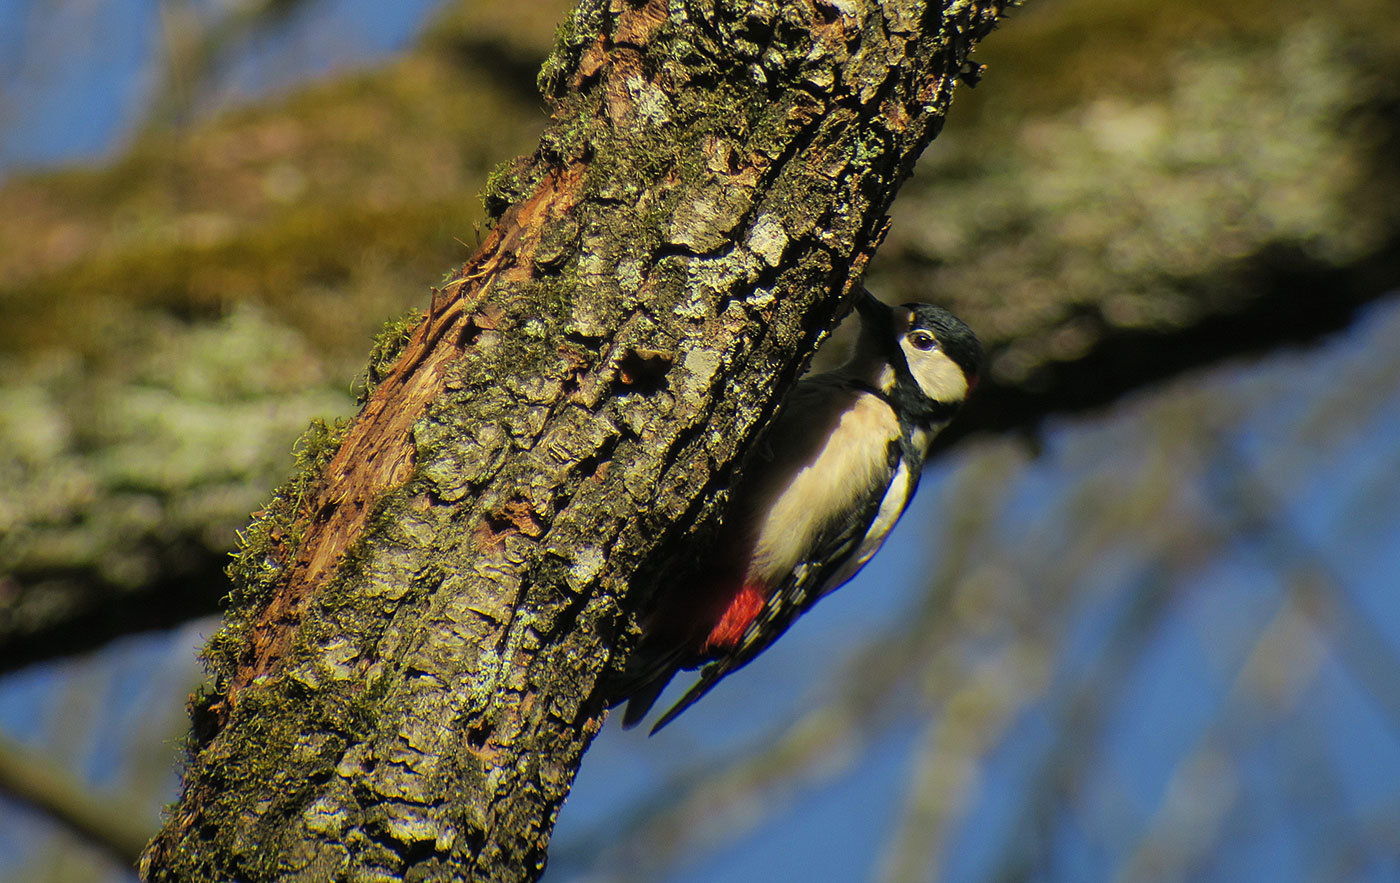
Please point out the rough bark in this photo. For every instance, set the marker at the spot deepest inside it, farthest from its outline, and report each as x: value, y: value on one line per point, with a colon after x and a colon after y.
x: 409, y: 676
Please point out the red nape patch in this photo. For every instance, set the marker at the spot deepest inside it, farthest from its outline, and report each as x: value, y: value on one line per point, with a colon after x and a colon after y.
x: 741, y: 611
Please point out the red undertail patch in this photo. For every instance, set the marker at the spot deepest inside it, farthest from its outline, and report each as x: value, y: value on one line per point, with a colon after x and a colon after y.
x: 742, y: 610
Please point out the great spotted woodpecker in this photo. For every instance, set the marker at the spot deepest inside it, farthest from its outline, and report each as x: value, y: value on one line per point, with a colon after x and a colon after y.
x: 832, y: 475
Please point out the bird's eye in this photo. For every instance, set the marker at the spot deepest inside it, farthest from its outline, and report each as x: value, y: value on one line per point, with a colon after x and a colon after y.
x: 922, y: 340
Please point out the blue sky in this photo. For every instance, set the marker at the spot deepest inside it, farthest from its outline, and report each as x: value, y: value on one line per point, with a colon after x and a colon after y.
x: 77, y: 76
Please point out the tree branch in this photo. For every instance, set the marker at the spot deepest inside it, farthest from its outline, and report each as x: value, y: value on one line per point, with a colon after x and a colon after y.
x: 409, y: 677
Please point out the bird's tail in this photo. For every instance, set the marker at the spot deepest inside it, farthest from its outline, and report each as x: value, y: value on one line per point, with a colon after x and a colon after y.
x: 709, y: 676
x: 641, y: 701
x: 645, y: 677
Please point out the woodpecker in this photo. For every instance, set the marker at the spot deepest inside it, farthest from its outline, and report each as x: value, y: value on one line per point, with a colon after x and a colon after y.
x: 832, y: 475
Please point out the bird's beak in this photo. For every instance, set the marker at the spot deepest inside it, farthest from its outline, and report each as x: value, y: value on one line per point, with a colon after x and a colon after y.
x: 871, y: 307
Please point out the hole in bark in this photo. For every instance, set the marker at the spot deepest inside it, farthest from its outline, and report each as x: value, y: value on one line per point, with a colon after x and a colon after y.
x: 498, y: 523
x: 475, y: 840
x: 595, y: 466
x: 477, y: 736
x: 489, y: 319
x: 493, y: 530
x: 470, y: 333
x: 644, y: 370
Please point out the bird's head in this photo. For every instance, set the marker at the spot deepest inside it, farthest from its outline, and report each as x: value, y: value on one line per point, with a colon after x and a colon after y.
x: 932, y: 353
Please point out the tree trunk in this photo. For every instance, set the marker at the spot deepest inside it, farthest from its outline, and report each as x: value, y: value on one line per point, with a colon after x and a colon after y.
x: 410, y: 671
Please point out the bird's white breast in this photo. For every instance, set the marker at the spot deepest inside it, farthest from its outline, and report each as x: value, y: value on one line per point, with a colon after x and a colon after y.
x: 837, y: 476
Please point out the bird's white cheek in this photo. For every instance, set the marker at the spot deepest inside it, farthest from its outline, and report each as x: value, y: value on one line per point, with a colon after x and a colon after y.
x: 937, y: 375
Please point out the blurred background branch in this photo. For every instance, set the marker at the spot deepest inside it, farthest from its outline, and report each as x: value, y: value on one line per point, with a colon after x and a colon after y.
x: 197, y: 46
x: 117, y: 825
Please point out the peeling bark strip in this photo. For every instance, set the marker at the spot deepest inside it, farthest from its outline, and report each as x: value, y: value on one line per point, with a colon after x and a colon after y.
x: 377, y: 453
x: 406, y: 683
